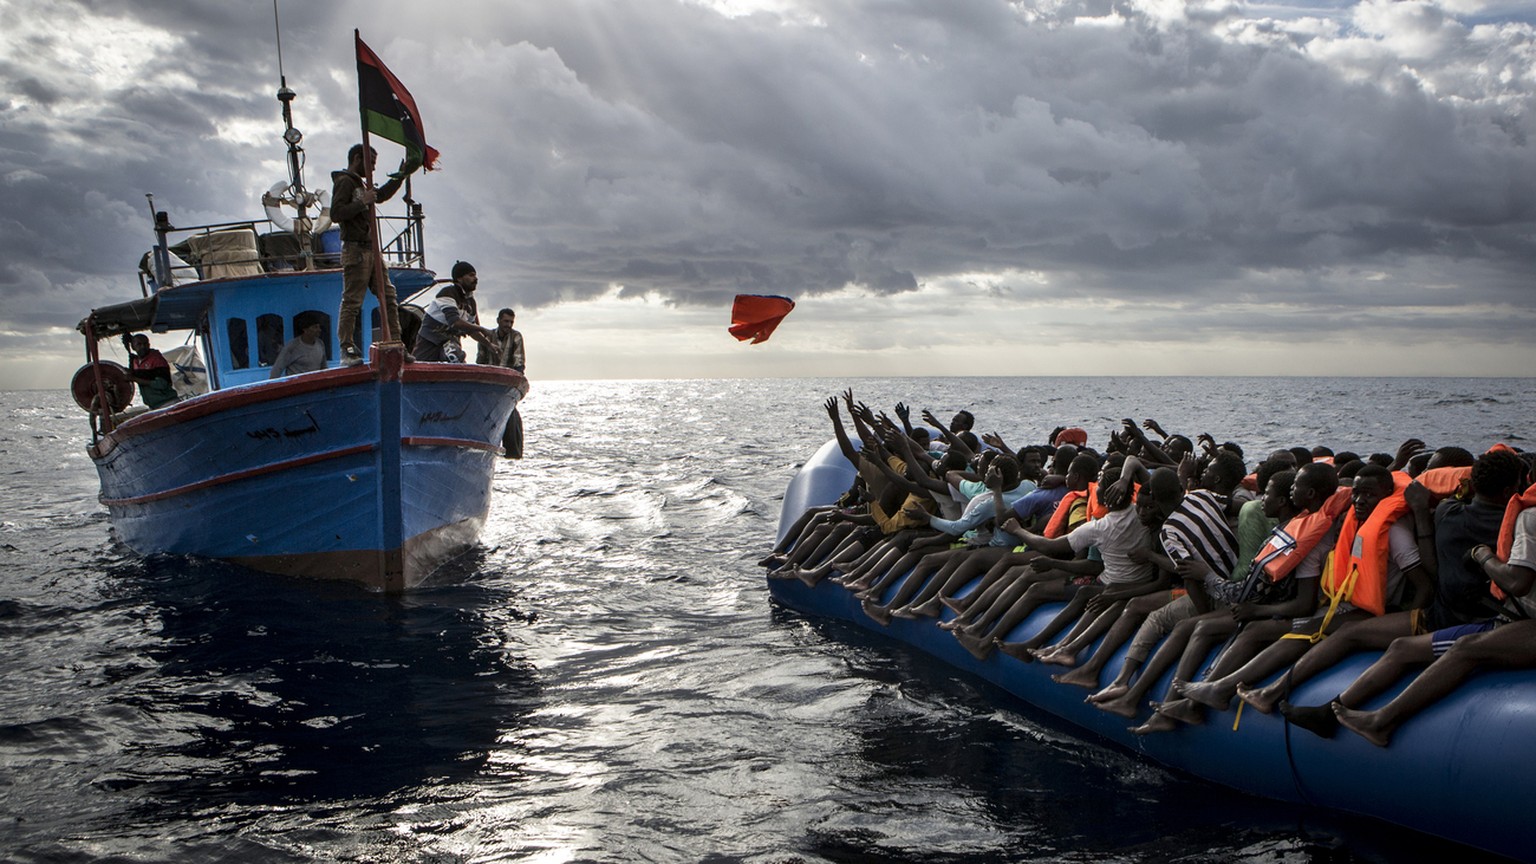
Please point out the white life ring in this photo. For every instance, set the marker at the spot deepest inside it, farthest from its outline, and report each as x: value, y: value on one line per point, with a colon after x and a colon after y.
x: 280, y: 195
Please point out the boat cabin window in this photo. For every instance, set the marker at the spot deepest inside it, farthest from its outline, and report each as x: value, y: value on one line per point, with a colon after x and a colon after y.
x: 269, y: 338
x: 312, y: 316
x: 239, y: 344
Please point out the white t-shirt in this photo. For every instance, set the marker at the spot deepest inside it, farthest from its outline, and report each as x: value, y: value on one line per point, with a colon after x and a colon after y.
x: 1522, y: 553
x: 1116, y: 534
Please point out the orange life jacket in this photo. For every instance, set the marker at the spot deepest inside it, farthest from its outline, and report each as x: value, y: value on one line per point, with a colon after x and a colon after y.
x: 1444, y: 483
x: 1512, y: 511
x: 1057, y: 526
x: 1362, y: 555
x: 1286, y: 547
x: 1251, y: 483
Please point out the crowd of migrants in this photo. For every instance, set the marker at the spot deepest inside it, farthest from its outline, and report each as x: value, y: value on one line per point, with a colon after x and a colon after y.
x: 1172, y: 545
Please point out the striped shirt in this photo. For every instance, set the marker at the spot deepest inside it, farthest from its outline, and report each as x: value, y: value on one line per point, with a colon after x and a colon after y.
x: 1198, y: 529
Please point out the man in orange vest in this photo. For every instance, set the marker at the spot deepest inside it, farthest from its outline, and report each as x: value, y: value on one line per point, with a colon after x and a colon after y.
x: 1444, y: 536
x: 1375, y: 557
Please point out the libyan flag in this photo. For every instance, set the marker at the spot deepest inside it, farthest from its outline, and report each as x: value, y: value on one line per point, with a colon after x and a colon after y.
x: 388, y: 109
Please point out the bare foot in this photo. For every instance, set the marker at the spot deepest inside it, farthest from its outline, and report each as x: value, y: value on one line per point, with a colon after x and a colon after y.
x: 1317, y: 719
x: 906, y: 612
x: 1078, y: 677
x: 1110, y: 693
x: 952, y: 624
x: 788, y: 572
x: 1018, y: 651
x: 811, y: 577
x: 774, y: 560
x: 1362, y: 723
x: 1262, y: 699
x: 931, y: 609
x: 1157, y: 723
x: 1208, y: 693
x: 874, y: 610
x: 1058, y: 657
x: 1182, y: 710
x: 980, y: 647
x: 1122, y: 705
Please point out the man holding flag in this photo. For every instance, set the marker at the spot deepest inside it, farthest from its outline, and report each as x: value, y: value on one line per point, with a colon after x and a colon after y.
x: 389, y: 112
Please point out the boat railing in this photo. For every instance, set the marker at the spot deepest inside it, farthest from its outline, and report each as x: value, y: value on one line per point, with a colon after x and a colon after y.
x: 259, y: 246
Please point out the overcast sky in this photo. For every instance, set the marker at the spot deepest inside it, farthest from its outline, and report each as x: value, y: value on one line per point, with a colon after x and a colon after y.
x: 956, y: 187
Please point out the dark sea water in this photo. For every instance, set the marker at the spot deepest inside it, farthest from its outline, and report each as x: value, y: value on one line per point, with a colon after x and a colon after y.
x: 606, y: 679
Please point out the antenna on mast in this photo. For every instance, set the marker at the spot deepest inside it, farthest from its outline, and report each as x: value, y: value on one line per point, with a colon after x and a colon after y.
x: 296, y: 194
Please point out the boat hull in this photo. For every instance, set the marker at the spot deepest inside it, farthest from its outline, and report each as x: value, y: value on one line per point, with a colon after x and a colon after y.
x: 374, y: 474
x: 1459, y: 770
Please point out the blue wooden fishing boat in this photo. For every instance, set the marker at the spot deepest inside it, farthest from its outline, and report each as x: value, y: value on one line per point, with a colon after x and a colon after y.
x: 374, y: 473
x: 1460, y: 770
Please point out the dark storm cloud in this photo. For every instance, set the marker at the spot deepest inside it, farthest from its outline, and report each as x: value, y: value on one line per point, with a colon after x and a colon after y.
x: 1119, y: 151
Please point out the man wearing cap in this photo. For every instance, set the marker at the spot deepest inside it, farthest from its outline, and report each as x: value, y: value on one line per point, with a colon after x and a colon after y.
x: 451, y: 314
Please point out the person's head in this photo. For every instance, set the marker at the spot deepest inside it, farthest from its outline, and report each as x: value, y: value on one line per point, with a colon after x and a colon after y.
x: 968, y: 438
x: 311, y: 331
x: 1282, y: 459
x: 464, y: 275
x: 1178, y: 446
x: 1348, y: 470
x: 1061, y: 461
x: 1417, y: 463
x: 1107, y: 477
x: 506, y: 318
x: 953, y: 460
x: 962, y: 422
x: 1007, y: 468
x: 1031, y: 462
x: 1277, y: 493
x: 1321, y: 452
x: 1224, y: 471
x: 1498, y: 474
x: 356, y: 163
x: 1345, y: 456
x: 1231, y: 447
x: 1385, y: 460
x: 1451, y: 457
x: 1303, y: 456
x: 1082, y: 470
x: 1315, y: 483
x: 139, y: 343
x: 1163, y: 493
x: 1372, y: 485
x: 919, y: 435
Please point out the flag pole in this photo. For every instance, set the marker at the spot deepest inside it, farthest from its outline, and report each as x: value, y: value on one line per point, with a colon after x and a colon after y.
x: 380, y: 276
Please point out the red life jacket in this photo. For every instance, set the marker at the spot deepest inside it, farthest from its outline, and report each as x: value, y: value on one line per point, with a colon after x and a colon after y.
x: 1286, y: 547
x: 1362, y: 555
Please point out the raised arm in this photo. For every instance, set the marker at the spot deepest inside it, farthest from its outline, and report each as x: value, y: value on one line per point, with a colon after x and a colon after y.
x: 843, y: 443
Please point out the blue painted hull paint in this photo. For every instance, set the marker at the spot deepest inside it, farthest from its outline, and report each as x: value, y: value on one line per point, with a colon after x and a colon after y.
x: 1461, y: 770
x: 385, y: 513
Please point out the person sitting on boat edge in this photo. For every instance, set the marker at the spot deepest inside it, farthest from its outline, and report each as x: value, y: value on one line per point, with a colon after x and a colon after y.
x: 1187, y: 644
x: 1462, y: 531
x: 1200, y: 545
x: 1445, y: 537
x: 1117, y: 535
x: 352, y: 201
x: 150, y: 370
x: 451, y: 314
x: 506, y: 349
x: 303, y: 353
